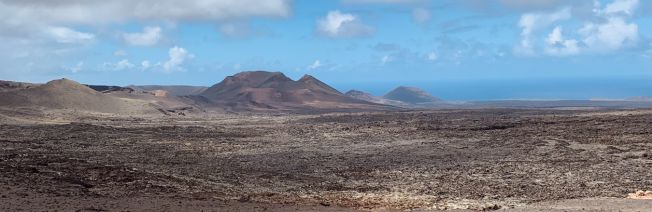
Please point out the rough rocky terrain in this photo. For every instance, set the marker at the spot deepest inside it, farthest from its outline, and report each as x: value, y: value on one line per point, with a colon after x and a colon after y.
x: 420, y: 160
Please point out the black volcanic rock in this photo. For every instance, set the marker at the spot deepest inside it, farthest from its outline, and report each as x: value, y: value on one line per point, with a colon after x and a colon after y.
x: 411, y: 95
x: 110, y: 88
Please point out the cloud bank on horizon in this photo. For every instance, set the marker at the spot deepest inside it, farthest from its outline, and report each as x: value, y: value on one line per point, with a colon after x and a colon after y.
x: 197, y: 41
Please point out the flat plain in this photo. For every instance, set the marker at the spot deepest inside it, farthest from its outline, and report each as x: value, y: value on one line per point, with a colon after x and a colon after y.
x: 412, y: 160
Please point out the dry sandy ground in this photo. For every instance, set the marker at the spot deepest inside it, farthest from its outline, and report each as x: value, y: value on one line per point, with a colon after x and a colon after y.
x: 470, y: 159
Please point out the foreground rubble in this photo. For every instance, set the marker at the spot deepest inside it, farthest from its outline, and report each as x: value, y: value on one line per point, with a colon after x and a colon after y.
x: 470, y: 159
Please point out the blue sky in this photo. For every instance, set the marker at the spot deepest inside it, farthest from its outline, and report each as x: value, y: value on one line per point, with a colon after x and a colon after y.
x: 456, y: 49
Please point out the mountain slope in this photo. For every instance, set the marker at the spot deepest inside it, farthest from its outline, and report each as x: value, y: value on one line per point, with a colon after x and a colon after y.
x: 375, y: 99
x: 254, y: 90
x: 411, y: 95
x: 68, y: 94
x: 172, y: 90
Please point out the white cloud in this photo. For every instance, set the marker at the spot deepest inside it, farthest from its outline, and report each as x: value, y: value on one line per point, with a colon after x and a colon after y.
x: 315, y: 65
x: 118, y: 66
x: 145, y: 65
x: 382, y: 1
x: 114, y: 11
x: 178, y: 56
x: 338, y: 24
x: 421, y: 15
x: 648, y: 53
x: 234, y: 29
x: 240, y: 29
x: 69, y: 36
x: 618, y: 7
x: 558, y: 46
x: 46, y: 32
x: 332, y: 23
x: 532, y: 4
x: 608, y: 30
x: 614, y: 32
x: 120, y: 53
x: 530, y: 23
x: 77, y: 68
x: 124, y: 64
x: 611, y: 35
x: 150, y: 36
x: 386, y: 59
x: 432, y: 56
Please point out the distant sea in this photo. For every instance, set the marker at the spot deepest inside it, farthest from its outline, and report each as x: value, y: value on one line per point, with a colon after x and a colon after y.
x: 521, y: 89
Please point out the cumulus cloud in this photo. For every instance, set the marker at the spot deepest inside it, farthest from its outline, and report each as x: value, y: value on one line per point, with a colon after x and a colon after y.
x: 614, y: 31
x: 178, y: 56
x: 382, y: 1
x: 234, y: 30
x: 610, y: 35
x: 532, y: 4
x: 315, y: 65
x: 77, y: 68
x: 421, y: 15
x: 558, y: 46
x: 121, y: 65
x: 432, y: 56
x: 240, y: 29
x: 124, y: 64
x: 530, y: 23
x: 338, y: 24
x: 386, y: 47
x: 23, y: 19
x: 69, y: 36
x: 45, y: 32
x: 120, y: 53
x: 149, y: 37
x: 145, y: 65
x: 386, y: 59
x: 100, y: 12
x: 618, y: 7
x: 607, y: 31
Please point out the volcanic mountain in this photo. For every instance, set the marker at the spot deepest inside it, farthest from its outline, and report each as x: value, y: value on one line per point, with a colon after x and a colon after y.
x: 411, y: 95
x: 356, y: 94
x: 255, y: 90
x: 68, y: 94
x: 172, y: 90
x: 160, y: 99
